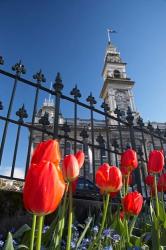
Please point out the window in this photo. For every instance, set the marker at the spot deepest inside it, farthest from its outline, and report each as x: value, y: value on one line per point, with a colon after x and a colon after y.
x: 116, y: 73
x: 80, y: 147
x: 103, y: 152
x: 68, y: 148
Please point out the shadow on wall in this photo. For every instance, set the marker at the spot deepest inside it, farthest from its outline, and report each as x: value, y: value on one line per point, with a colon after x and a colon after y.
x: 13, y: 215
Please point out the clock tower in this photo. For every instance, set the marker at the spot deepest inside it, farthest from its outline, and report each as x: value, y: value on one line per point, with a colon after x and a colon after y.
x: 117, y: 87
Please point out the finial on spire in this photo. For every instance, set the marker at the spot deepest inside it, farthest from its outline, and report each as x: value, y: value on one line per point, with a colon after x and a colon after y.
x: 109, y: 31
x: 49, y: 97
x: 49, y: 102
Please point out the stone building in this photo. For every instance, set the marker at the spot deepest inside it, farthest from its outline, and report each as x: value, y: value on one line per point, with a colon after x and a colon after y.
x: 117, y: 93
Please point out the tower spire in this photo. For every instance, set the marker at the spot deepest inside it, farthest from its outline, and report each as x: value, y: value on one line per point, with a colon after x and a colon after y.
x: 49, y: 101
x: 117, y: 87
x: 49, y: 97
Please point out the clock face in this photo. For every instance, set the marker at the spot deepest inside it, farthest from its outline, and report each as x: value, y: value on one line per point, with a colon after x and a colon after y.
x: 122, y: 100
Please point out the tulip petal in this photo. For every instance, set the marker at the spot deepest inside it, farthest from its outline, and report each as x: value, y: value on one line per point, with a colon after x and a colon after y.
x: 47, y: 151
x: 80, y: 156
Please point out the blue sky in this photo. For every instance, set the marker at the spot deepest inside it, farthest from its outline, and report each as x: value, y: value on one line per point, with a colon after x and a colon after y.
x: 70, y: 36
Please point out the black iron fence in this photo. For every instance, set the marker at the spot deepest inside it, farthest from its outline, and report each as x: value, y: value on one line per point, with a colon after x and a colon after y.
x: 101, y: 134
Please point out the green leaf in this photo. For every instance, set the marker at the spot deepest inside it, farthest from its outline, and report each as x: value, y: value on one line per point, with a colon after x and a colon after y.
x: 9, y: 242
x: 148, y: 227
x: 136, y: 241
x: 164, y: 225
x: 84, y: 232
x: 19, y: 233
x: 151, y: 210
x: 48, y: 235
x: 21, y: 246
x: 162, y: 237
x: 155, y: 233
x: 161, y: 211
x: 120, y: 227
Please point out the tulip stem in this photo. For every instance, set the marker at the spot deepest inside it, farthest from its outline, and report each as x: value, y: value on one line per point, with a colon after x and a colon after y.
x: 157, y: 211
x: 102, y: 223
x: 156, y: 196
x: 70, y: 219
x: 127, y: 183
x: 39, y: 233
x: 162, y: 199
x: 32, y: 232
x: 62, y: 221
x: 132, y: 225
x: 104, y: 215
x: 127, y: 231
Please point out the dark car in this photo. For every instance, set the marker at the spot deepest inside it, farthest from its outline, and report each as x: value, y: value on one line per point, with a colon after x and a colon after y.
x: 87, y: 189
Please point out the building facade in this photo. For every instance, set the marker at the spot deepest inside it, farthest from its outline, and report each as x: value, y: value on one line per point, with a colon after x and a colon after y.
x: 109, y: 136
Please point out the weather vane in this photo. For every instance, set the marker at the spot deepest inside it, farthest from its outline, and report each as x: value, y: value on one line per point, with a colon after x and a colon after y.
x: 109, y: 31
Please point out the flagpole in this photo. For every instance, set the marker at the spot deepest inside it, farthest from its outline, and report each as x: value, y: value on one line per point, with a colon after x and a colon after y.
x: 108, y: 32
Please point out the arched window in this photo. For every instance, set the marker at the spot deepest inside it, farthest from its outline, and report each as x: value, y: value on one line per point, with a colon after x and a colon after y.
x: 116, y: 73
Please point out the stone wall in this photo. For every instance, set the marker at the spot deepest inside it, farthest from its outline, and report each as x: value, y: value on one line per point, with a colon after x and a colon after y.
x: 13, y: 215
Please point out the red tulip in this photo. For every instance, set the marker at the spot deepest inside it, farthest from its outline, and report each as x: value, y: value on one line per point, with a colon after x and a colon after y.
x: 113, y: 194
x: 44, y: 188
x: 124, y: 171
x: 47, y: 151
x: 80, y: 158
x: 132, y: 203
x: 156, y: 162
x: 161, y: 186
x: 70, y: 168
x: 149, y: 180
x: 122, y: 214
x: 108, y: 178
x: 129, y: 160
x: 152, y: 191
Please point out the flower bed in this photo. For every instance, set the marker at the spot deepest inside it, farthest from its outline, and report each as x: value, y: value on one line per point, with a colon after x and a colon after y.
x: 135, y: 223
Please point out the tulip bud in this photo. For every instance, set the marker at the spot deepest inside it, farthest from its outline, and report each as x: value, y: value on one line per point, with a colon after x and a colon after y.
x: 132, y: 203
x: 155, y: 162
x: 70, y: 168
x: 129, y: 160
x: 149, y: 180
x: 124, y: 171
x: 122, y: 214
x: 108, y: 178
x: 43, y: 189
x: 161, y: 186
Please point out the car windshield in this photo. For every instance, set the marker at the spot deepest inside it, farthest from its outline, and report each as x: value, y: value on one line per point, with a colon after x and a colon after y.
x: 85, y: 184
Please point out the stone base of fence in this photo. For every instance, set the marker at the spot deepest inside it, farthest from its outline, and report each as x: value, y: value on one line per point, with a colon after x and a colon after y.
x: 13, y: 215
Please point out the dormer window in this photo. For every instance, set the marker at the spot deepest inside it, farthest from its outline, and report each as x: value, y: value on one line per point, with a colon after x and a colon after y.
x: 116, y: 73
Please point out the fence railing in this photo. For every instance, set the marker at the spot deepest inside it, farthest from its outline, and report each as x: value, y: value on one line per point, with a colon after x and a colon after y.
x: 102, y: 135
